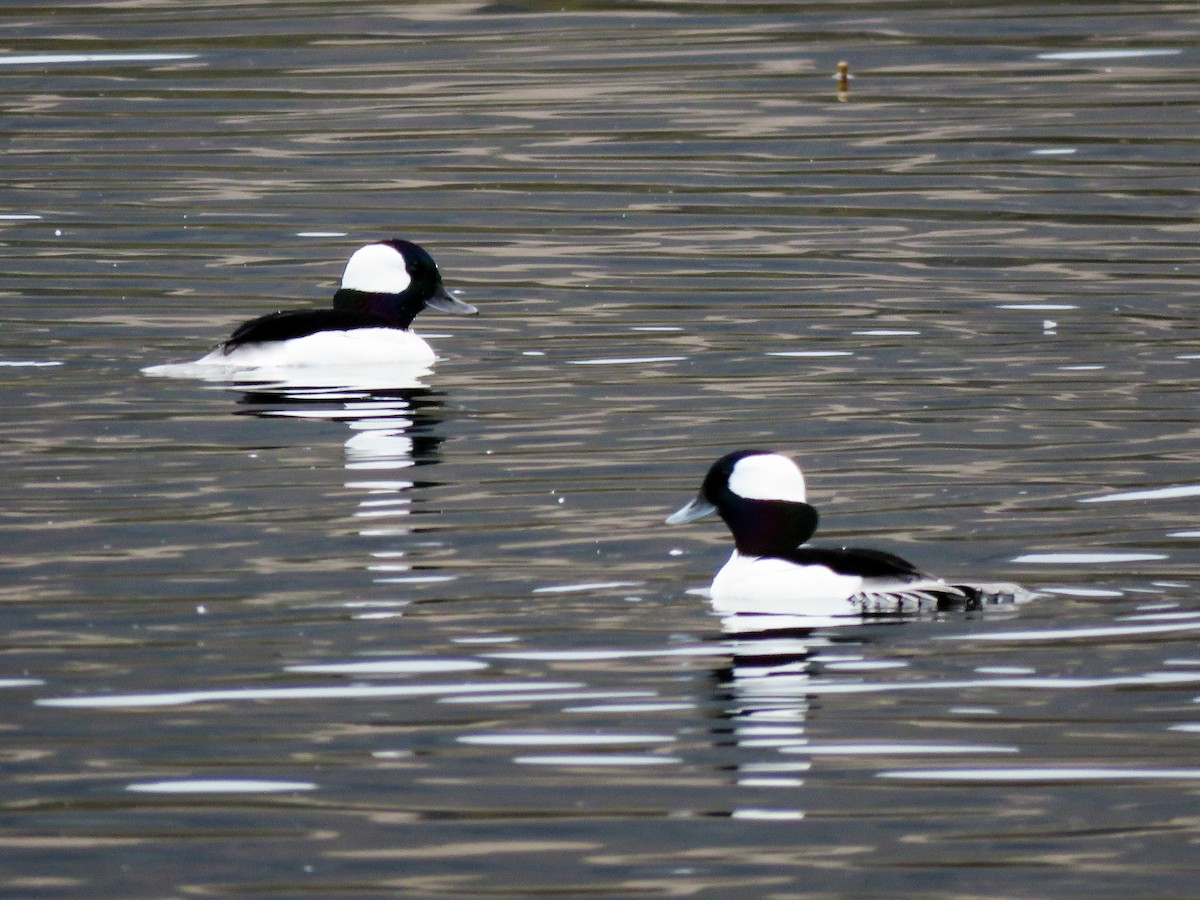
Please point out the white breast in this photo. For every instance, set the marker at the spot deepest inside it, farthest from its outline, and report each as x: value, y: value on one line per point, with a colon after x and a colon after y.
x: 770, y: 586
x: 356, y: 347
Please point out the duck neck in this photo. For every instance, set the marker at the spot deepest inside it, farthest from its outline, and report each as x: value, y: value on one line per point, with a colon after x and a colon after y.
x: 398, y: 310
x: 770, y: 527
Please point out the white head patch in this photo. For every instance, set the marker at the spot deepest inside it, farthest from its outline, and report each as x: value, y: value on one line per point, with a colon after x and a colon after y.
x: 767, y: 476
x: 376, y: 269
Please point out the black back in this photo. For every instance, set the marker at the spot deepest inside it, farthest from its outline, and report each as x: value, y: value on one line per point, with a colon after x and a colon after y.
x: 285, y: 326
x: 856, y: 561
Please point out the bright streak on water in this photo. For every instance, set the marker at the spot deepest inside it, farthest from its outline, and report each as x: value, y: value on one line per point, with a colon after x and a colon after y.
x: 592, y: 655
x: 391, y: 666
x: 597, y: 760
x: 896, y: 749
x: 220, y: 786
x: 1061, y: 634
x: 562, y: 740
x: 768, y: 815
x: 1106, y: 54
x: 631, y: 707
x: 1167, y: 493
x: 351, y: 692
x: 810, y: 353
x: 1082, y: 592
x: 1038, y: 774
x: 810, y: 686
x: 551, y: 693
x: 1087, y: 558
x: 40, y: 59
x: 586, y: 586
x: 624, y: 361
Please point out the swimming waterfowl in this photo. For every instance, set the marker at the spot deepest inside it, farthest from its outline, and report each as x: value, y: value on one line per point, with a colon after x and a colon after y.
x: 384, y: 287
x: 762, y: 497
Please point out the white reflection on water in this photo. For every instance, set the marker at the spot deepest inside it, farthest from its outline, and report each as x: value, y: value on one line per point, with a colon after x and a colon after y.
x: 597, y: 760
x: 1087, y: 558
x: 588, y: 655
x: 1159, y: 616
x: 315, y: 692
x: 864, y: 665
x: 381, y: 406
x: 624, y: 361
x: 220, y: 786
x: 585, y: 586
x: 380, y: 409
x: 771, y: 690
x: 768, y: 815
x: 1106, y: 54
x: 892, y: 749
x: 562, y: 740
x: 1088, y: 632
x: 1167, y: 493
x: 806, y: 685
x: 1073, y: 591
x: 1033, y: 774
x: 810, y: 353
x: 549, y: 693
x: 767, y: 684
x: 391, y: 667
x: 44, y: 59
x: 624, y: 708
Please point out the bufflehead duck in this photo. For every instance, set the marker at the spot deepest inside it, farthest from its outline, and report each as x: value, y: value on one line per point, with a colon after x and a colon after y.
x: 761, y: 496
x: 383, y: 288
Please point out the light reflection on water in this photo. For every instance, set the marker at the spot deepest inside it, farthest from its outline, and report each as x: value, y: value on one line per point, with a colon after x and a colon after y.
x: 429, y: 637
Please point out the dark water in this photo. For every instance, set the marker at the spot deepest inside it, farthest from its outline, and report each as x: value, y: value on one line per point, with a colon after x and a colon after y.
x: 435, y: 641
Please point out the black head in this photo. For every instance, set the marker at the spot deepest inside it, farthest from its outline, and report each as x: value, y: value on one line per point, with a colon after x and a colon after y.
x: 761, y: 497
x: 395, y: 280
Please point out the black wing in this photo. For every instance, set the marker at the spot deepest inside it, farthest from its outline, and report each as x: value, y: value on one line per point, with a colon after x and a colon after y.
x: 856, y: 561
x: 284, y: 326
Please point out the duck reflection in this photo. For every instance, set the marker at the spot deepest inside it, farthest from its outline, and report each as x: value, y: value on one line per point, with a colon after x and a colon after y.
x: 392, y: 417
x: 763, y: 689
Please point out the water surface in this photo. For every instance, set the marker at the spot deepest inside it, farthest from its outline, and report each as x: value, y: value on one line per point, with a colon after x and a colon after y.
x: 433, y: 639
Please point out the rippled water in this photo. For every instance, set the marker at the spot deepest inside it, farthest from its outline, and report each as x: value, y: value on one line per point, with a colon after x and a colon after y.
x: 434, y: 639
